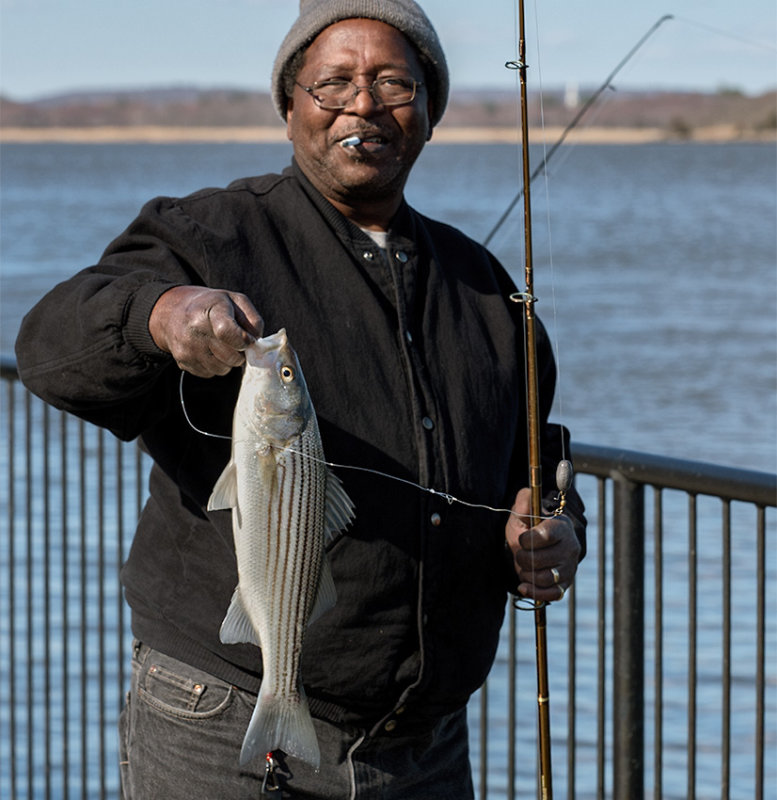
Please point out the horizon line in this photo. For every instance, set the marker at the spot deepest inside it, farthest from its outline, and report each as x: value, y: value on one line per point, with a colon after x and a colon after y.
x: 460, y: 89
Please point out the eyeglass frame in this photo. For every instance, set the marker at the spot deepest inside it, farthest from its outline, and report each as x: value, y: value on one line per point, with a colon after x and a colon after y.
x: 370, y: 88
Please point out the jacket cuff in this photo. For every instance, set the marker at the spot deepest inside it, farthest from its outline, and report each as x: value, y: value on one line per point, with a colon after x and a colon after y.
x: 137, y: 314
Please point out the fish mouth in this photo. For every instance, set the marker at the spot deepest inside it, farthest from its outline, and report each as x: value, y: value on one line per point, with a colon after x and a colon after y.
x: 273, y: 342
x: 256, y: 352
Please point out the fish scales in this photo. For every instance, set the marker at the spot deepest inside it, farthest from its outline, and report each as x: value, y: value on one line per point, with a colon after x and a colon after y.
x: 297, y: 504
x: 285, y: 505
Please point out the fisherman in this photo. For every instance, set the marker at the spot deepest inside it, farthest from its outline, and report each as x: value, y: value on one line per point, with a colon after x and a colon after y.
x: 413, y: 356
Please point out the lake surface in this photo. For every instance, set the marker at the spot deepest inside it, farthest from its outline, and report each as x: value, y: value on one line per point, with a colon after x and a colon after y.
x: 655, y: 266
x: 657, y: 278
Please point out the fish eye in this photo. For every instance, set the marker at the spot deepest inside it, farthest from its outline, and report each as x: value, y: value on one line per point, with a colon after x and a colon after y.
x: 287, y: 374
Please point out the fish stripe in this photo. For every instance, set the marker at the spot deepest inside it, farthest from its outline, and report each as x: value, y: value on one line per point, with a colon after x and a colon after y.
x: 294, y: 522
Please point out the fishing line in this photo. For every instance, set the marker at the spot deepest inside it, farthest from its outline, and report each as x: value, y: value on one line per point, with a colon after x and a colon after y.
x: 607, y: 84
x: 549, y: 227
x: 516, y: 65
x: 519, y: 603
x: 449, y: 498
x: 728, y: 34
x: 186, y: 415
x: 544, y: 775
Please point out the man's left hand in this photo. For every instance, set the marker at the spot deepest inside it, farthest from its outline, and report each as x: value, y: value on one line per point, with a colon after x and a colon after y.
x: 546, y: 555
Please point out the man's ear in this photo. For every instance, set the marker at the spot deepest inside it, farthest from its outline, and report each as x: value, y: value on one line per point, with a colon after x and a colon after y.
x: 289, y: 114
x: 429, y: 117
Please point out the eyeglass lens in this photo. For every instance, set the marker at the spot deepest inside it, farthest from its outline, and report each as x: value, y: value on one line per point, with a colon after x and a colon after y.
x: 385, y: 91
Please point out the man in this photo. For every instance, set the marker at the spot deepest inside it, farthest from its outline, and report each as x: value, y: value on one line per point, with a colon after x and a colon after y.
x: 413, y: 356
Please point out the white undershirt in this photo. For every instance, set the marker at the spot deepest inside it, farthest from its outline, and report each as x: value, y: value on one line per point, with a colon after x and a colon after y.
x: 379, y: 237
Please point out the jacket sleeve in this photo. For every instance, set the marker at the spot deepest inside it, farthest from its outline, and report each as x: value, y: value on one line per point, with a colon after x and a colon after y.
x: 85, y: 347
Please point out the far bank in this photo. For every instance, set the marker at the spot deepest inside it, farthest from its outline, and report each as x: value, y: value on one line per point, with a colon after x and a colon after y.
x: 167, y: 134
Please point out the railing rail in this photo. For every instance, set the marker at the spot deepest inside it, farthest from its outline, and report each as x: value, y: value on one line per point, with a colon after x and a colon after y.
x: 694, y: 477
x: 663, y: 676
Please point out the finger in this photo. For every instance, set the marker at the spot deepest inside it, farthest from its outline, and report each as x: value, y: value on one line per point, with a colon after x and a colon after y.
x: 203, y: 364
x: 536, y: 560
x: 521, y: 510
x: 537, y: 538
x: 549, y: 532
x: 246, y: 315
x: 542, y: 576
x: 200, y: 370
x: 552, y: 566
x: 226, y: 354
x: 236, y: 326
x: 203, y: 355
x: 224, y: 326
x: 542, y: 594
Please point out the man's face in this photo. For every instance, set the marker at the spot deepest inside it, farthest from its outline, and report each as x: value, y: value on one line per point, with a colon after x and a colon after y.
x: 361, y: 51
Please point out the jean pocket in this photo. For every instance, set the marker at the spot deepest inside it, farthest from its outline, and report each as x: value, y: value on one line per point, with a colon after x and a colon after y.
x: 182, y: 691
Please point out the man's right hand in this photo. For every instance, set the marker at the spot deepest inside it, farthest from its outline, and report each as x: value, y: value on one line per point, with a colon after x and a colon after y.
x: 205, y: 330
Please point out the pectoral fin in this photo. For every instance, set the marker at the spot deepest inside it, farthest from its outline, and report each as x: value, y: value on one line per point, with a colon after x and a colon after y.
x: 224, y: 493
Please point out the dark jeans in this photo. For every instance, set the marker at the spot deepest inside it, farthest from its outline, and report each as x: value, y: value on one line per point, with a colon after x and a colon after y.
x: 182, y: 729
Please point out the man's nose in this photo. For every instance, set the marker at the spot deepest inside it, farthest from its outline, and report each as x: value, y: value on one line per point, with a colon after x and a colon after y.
x: 364, y: 101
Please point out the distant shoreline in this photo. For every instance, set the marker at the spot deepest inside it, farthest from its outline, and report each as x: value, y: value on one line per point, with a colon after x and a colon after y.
x: 158, y: 134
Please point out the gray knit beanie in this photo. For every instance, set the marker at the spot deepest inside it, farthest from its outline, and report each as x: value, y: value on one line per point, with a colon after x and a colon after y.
x: 404, y: 15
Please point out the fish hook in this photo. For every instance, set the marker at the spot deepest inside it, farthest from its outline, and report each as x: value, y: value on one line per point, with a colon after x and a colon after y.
x: 270, y: 783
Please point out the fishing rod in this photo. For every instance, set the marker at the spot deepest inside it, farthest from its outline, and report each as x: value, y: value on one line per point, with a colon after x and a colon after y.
x: 533, y: 417
x: 564, y: 472
x: 575, y: 121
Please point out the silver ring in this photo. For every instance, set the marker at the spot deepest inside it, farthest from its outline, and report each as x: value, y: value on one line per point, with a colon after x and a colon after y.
x: 563, y: 591
x: 556, y: 576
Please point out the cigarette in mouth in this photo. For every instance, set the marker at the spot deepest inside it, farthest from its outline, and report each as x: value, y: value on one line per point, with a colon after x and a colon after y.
x: 351, y: 141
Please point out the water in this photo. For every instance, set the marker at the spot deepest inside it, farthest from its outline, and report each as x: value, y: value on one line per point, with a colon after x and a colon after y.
x: 656, y: 276
x: 655, y: 266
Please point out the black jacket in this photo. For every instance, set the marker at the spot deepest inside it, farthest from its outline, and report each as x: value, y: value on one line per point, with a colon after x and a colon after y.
x: 414, y: 361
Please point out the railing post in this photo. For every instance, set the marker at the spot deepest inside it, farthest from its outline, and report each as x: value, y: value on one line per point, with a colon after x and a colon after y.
x: 628, y: 638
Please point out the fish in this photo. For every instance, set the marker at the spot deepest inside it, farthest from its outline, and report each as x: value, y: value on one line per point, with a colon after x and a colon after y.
x: 286, y: 507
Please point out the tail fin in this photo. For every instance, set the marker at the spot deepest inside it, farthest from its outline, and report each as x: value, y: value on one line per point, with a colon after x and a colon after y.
x: 281, y: 723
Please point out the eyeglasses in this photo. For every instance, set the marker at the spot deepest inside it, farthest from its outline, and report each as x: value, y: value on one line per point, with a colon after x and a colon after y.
x: 333, y: 95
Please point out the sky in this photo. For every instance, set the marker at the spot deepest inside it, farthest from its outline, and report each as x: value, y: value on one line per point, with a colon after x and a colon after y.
x: 53, y: 46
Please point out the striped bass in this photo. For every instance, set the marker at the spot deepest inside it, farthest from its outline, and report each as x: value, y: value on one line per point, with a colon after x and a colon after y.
x: 285, y: 506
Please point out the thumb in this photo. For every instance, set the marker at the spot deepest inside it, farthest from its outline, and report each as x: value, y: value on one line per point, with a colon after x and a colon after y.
x: 246, y: 315
x: 522, y: 507
x: 520, y: 518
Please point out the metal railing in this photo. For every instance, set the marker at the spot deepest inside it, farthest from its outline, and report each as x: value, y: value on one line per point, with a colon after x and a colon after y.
x: 663, y: 664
